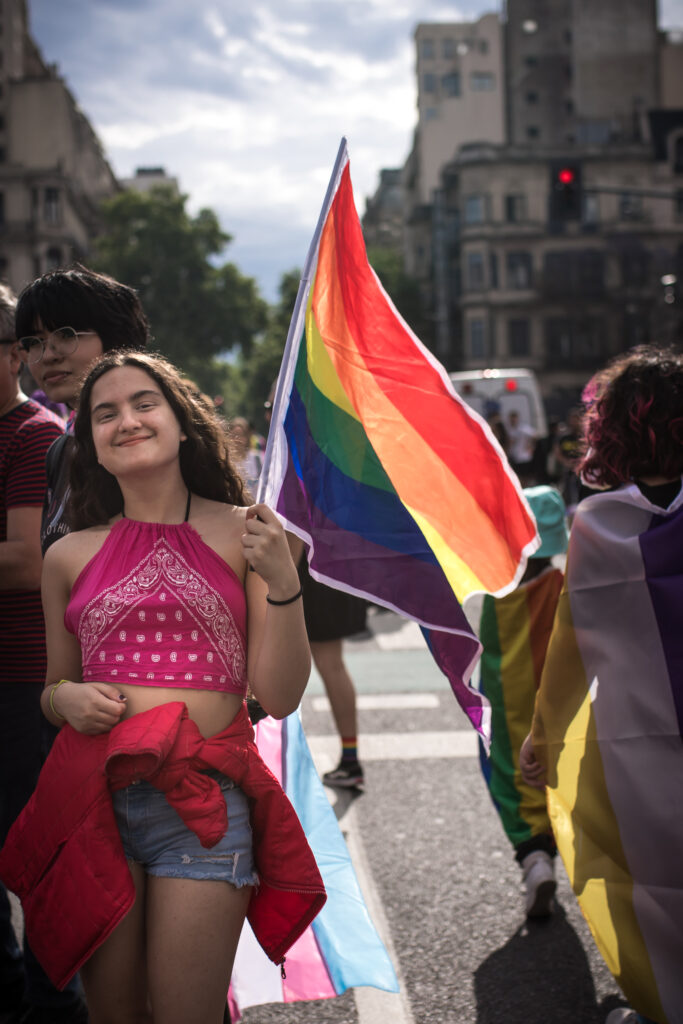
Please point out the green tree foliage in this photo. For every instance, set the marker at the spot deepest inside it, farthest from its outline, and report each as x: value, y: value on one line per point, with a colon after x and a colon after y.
x: 198, y: 307
x: 404, y: 290
x: 255, y: 372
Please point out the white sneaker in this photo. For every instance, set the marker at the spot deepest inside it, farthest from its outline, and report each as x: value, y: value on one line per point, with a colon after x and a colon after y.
x: 539, y: 879
x: 624, y: 1015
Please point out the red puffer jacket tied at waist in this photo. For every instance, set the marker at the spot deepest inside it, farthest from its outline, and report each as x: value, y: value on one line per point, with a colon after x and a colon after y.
x: 65, y: 861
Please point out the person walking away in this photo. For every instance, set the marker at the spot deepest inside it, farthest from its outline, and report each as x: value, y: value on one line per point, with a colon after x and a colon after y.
x: 514, y: 631
x: 606, y: 736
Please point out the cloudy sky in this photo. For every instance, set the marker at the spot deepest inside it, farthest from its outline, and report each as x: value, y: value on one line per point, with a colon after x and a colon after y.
x: 245, y: 101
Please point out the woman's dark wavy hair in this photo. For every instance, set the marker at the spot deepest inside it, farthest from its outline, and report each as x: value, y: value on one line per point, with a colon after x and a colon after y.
x: 87, y: 301
x: 633, y: 424
x: 204, y: 457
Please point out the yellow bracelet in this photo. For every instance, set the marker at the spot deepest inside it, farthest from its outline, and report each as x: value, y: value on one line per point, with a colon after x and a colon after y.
x: 53, y: 709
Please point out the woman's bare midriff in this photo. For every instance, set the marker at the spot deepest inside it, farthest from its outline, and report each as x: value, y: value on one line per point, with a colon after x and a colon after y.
x: 210, y: 710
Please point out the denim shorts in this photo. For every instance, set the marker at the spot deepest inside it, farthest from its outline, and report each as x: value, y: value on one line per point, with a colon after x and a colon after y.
x: 154, y: 835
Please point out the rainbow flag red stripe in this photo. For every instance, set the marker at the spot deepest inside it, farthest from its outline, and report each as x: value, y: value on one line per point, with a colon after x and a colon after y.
x: 400, y: 490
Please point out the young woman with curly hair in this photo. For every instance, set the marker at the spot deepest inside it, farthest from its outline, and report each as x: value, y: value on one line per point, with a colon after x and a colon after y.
x: 607, y: 733
x: 154, y: 625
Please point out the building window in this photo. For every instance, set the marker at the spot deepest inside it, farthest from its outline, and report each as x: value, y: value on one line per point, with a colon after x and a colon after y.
x: 630, y: 207
x: 590, y: 213
x: 430, y: 113
x: 493, y: 269
x: 532, y: 97
x: 532, y: 132
x: 448, y: 48
x: 2, y: 208
x: 3, y: 155
x: 482, y: 81
x: 531, y: 61
x: 451, y: 84
x: 518, y: 265
x: 678, y: 155
x: 429, y: 82
x: 519, y: 338
x: 477, y: 339
x: 2, y: 122
x: 483, y: 46
x: 51, y: 206
x: 54, y: 258
x: 678, y: 204
x: 575, y: 343
x: 4, y: 268
x: 475, y: 210
x: 475, y: 271
x: 428, y: 49
x: 515, y: 209
x: 635, y: 266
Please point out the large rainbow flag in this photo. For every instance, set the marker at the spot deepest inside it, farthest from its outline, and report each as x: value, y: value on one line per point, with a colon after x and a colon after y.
x: 609, y: 726
x: 341, y: 948
x: 400, y: 491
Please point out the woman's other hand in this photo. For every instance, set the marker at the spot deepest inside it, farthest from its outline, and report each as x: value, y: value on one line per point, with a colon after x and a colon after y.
x: 90, y: 708
x: 533, y: 773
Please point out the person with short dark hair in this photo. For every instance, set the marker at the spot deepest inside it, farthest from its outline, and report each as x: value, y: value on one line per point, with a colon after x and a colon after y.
x: 65, y: 320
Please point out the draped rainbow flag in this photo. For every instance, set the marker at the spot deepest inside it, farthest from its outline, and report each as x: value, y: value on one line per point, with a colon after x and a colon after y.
x: 514, y: 631
x: 400, y: 491
x: 340, y: 949
x: 609, y: 726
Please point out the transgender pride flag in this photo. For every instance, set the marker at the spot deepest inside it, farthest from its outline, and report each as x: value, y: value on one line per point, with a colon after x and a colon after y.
x: 340, y: 949
x: 400, y: 491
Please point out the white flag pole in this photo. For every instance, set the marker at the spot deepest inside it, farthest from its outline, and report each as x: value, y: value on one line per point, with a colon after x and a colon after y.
x: 286, y: 375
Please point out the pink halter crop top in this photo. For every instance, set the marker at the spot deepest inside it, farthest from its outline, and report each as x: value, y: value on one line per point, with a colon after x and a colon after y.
x: 156, y: 606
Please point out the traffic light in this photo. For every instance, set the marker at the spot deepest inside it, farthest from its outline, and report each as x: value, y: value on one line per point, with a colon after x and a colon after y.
x: 565, y: 191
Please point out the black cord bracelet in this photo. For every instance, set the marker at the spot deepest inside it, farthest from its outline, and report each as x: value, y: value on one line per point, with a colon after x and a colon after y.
x: 288, y: 600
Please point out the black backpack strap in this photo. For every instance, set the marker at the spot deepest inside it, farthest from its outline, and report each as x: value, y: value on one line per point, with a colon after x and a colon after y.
x: 53, y: 460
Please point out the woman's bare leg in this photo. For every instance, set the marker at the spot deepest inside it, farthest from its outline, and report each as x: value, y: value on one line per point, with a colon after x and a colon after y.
x: 328, y: 659
x: 114, y: 977
x: 192, y: 932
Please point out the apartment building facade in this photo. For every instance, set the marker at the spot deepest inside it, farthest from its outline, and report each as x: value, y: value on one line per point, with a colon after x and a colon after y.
x: 589, y: 91
x: 53, y: 172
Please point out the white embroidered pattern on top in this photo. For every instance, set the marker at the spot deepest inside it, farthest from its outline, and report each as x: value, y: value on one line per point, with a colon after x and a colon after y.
x: 164, y: 567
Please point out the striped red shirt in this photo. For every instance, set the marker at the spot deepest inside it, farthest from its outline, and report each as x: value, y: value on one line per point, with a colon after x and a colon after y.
x: 26, y: 433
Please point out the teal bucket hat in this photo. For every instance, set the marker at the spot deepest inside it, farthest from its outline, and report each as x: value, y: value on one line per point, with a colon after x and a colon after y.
x: 549, y: 512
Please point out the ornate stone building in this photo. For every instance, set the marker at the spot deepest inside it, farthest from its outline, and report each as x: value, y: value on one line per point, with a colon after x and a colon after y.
x: 53, y: 172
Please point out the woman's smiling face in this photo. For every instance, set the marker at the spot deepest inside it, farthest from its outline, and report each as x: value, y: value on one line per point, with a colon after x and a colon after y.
x: 133, y: 426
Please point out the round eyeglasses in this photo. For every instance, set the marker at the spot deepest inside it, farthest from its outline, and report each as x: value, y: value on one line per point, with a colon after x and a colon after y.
x: 64, y: 341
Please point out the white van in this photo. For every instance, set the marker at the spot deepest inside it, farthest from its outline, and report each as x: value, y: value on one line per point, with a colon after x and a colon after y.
x: 502, y: 391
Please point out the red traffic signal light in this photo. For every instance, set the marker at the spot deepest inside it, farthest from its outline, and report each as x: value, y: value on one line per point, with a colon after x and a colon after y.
x: 565, y: 199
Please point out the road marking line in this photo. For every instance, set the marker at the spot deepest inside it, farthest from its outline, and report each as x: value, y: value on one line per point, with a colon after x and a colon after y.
x: 384, y: 702
x: 403, y: 746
